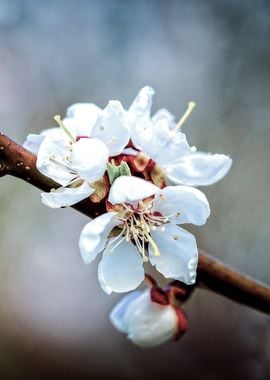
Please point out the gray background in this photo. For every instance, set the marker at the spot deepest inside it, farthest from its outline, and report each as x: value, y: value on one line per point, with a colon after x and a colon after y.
x: 53, y: 314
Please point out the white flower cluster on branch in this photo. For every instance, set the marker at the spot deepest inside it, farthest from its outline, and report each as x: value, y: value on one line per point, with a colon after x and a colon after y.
x: 144, y: 172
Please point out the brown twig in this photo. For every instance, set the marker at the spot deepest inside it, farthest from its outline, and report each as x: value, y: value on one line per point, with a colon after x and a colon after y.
x: 220, y: 278
x: 212, y: 273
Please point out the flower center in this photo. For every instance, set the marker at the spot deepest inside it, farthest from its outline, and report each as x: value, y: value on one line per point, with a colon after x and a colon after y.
x: 137, y: 226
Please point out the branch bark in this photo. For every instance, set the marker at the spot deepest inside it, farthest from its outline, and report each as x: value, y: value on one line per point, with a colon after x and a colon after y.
x: 222, y: 279
x: 212, y: 273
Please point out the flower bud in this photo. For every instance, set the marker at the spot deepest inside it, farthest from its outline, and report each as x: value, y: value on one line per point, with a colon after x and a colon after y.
x: 148, y: 318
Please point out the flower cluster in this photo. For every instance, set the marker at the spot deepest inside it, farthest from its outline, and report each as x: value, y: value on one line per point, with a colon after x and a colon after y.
x: 142, y: 169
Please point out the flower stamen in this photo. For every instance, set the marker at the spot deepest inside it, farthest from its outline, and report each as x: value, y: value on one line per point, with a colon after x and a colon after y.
x: 58, y: 120
x: 153, y: 244
x: 138, y: 223
x: 188, y: 111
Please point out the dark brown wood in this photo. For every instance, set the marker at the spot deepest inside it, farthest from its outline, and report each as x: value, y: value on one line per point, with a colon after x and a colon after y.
x: 220, y: 278
x: 212, y: 273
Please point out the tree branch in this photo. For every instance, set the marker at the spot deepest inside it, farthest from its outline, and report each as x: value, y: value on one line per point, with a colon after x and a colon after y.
x: 220, y: 278
x: 212, y: 273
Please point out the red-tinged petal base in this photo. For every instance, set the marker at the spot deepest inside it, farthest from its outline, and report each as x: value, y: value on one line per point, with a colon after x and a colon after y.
x: 102, y: 188
x: 141, y: 162
x: 82, y: 137
x: 142, y: 166
x: 159, y: 296
x: 179, y: 292
x: 182, y: 323
x: 163, y: 297
x: 171, y: 296
x: 137, y: 164
x: 158, y: 177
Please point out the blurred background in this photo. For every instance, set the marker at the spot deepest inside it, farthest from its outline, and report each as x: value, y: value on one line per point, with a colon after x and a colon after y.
x: 53, y: 314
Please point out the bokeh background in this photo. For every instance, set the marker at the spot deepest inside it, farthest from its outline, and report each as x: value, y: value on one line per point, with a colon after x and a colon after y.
x: 53, y: 315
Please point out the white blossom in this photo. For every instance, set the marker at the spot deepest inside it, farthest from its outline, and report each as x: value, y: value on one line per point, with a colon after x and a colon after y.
x: 70, y: 159
x: 109, y: 125
x: 141, y: 225
x: 145, y: 322
x: 76, y: 154
x: 161, y: 139
x: 73, y: 165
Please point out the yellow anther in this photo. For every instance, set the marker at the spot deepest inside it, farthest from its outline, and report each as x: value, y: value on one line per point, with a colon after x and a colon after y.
x: 189, y: 109
x: 58, y: 120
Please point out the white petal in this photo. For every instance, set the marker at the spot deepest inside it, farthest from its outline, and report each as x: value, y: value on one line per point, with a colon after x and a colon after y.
x: 89, y: 158
x: 182, y: 204
x: 120, y: 270
x: 178, y: 254
x: 167, y: 146
x: 112, y: 128
x: 139, y: 118
x: 66, y: 196
x: 200, y: 169
x: 86, y: 111
x: 33, y: 143
x: 163, y: 113
x: 148, y: 323
x: 94, y: 235
x: 81, y: 117
x: 163, y: 144
x: 141, y: 130
x: 52, y: 160
x: 142, y: 103
x: 76, y: 127
x: 118, y: 313
x: 128, y: 189
x: 55, y: 133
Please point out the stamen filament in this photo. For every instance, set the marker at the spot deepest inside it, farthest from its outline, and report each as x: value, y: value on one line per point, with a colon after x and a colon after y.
x: 138, y: 223
x: 64, y: 165
x: 153, y: 244
x: 189, y: 109
x: 58, y: 120
x: 118, y: 236
x: 116, y: 245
